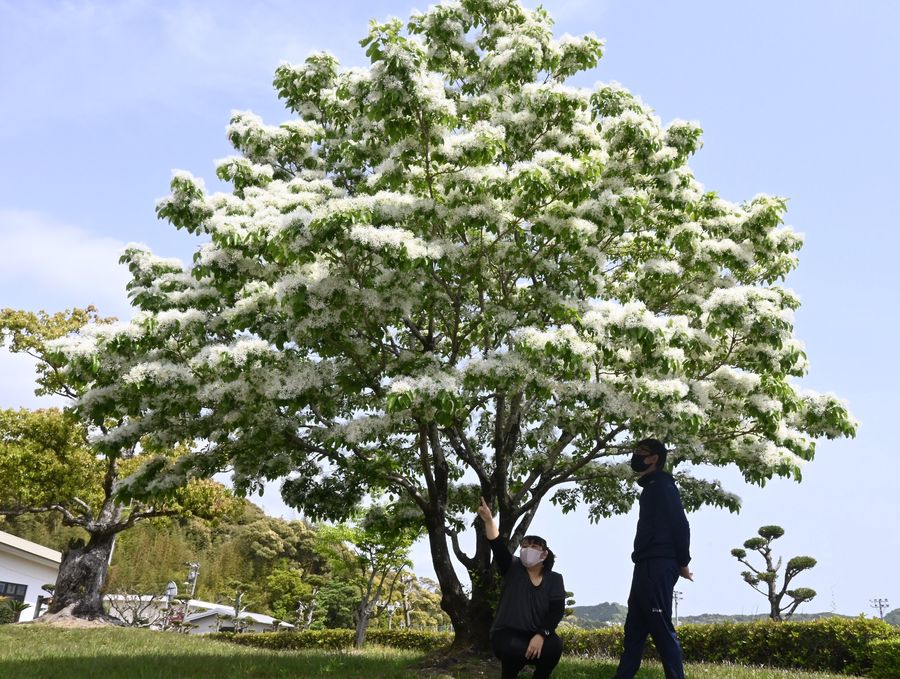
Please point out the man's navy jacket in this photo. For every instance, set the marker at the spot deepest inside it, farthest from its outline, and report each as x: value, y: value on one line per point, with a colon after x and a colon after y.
x: 662, y: 530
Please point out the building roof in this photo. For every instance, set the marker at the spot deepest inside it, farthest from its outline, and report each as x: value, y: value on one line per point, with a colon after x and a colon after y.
x: 28, y: 548
x: 219, y: 609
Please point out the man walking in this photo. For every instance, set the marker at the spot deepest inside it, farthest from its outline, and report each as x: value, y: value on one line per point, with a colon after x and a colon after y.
x: 661, y: 554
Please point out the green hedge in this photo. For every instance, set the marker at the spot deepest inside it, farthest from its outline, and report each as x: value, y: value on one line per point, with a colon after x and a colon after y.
x: 831, y: 644
x: 337, y: 639
x: 849, y: 645
x: 331, y: 639
x: 606, y: 642
x: 885, y: 658
x: 412, y: 640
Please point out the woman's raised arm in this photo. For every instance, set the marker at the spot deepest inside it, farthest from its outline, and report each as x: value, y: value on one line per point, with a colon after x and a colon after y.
x: 492, y: 533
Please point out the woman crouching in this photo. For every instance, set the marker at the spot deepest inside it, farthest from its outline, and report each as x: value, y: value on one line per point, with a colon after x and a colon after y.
x: 532, y: 603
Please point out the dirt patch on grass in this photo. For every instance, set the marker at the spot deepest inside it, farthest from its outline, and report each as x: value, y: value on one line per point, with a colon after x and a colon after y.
x: 450, y: 665
x: 66, y: 620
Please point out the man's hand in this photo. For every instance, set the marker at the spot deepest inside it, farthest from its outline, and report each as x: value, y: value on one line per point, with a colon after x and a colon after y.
x: 534, y: 647
x: 686, y: 573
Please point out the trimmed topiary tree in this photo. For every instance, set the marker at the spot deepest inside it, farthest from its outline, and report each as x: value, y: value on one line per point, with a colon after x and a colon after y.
x: 768, y: 577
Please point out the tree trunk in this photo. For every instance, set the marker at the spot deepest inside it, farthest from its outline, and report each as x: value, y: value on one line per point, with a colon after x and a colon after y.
x: 471, y: 618
x: 81, y: 576
x: 363, y: 611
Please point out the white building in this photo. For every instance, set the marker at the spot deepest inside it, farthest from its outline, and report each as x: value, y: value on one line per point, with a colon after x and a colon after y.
x: 25, y: 567
x: 215, y: 619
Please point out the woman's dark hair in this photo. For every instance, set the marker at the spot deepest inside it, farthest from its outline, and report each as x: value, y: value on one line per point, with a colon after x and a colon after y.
x: 538, y: 541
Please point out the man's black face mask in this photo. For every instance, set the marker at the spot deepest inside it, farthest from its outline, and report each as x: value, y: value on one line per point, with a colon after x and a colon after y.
x: 638, y: 463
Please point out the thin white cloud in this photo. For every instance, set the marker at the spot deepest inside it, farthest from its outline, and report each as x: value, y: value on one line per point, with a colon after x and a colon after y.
x: 95, y: 59
x: 45, y: 264
x: 17, y: 386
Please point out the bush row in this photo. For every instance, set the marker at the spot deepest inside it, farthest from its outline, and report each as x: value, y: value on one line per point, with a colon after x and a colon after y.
x: 832, y: 644
x: 337, y: 639
x: 848, y: 645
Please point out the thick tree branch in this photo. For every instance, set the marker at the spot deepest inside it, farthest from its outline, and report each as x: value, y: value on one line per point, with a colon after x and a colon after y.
x: 456, y: 435
x: 466, y: 560
x: 410, y: 488
x: 425, y: 462
x: 85, y: 508
x: 134, y: 517
x: 69, y: 518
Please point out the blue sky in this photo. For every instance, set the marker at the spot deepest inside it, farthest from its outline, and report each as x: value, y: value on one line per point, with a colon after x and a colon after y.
x: 99, y: 101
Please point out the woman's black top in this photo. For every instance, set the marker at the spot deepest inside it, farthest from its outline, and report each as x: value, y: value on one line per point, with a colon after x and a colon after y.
x: 524, y: 606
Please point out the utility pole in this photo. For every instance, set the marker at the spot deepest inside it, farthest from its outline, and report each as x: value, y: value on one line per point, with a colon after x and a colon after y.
x: 881, y: 605
x: 676, y: 597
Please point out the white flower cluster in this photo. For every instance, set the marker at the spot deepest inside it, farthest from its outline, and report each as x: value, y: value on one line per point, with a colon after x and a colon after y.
x: 429, y: 384
x: 237, y: 353
x: 565, y: 335
x: 362, y: 428
x: 379, y: 237
x: 157, y: 372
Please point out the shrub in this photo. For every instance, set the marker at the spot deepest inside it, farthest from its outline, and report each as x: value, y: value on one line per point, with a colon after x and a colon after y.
x: 331, y: 639
x: 409, y: 639
x: 606, y: 641
x: 337, y: 639
x: 849, y: 645
x: 831, y: 644
x: 885, y: 658
x: 7, y: 614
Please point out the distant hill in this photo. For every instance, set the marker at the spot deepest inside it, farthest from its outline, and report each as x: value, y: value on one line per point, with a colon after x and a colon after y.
x: 706, y: 618
x: 605, y: 614
x: 599, y: 615
x: 893, y: 617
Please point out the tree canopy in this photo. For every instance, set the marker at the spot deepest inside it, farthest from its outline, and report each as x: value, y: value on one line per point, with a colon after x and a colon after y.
x: 453, y: 274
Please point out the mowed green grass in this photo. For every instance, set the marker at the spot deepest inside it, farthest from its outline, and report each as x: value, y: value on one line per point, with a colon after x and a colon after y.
x: 39, y: 652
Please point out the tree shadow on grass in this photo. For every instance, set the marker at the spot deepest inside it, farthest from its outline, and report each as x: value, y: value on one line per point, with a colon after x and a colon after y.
x: 277, y: 666
x: 473, y: 666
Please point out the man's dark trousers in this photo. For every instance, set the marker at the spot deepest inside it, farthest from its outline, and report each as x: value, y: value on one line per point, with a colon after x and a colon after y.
x: 650, y: 612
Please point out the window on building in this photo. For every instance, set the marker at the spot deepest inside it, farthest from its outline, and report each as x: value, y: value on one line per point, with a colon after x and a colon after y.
x: 13, y: 591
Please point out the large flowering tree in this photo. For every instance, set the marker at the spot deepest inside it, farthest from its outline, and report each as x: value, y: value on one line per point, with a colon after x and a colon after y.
x: 453, y: 275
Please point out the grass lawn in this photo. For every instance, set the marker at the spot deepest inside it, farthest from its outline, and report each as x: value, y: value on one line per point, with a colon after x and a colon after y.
x: 40, y: 652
